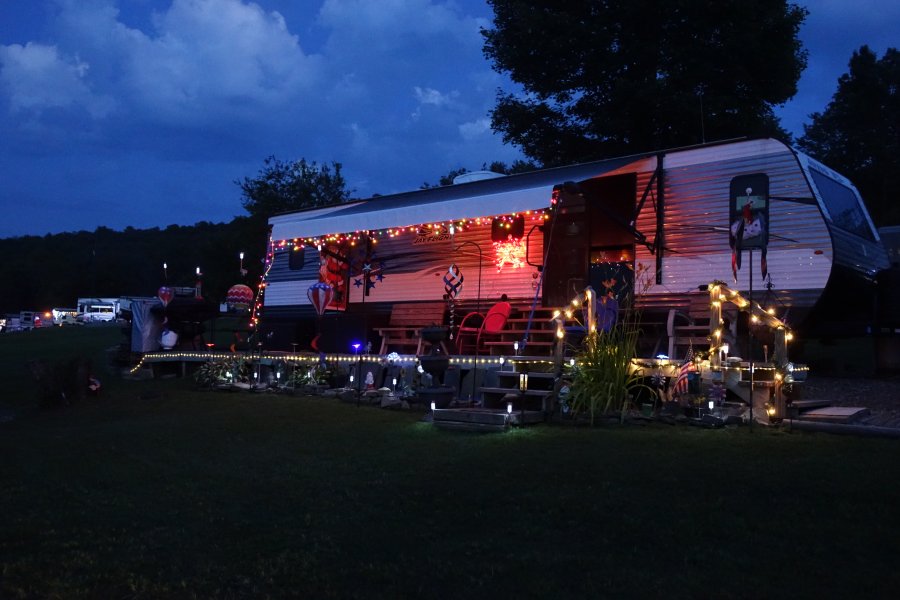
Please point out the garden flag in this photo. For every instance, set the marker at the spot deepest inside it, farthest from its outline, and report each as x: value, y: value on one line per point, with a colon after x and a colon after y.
x: 681, y: 383
x: 749, y: 217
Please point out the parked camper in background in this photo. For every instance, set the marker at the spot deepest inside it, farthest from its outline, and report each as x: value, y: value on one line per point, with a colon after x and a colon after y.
x: 64, y: 316
x: 92, y: 310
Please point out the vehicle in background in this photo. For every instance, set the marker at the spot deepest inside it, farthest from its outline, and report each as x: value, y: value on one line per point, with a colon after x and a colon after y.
x: 64, y: 316
x: 97, y: 313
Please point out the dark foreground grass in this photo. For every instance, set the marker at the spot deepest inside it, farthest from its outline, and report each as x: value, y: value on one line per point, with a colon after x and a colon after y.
x: 157, y: 490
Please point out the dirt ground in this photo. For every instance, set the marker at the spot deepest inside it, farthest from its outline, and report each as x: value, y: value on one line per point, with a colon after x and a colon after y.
x: 881, y: 395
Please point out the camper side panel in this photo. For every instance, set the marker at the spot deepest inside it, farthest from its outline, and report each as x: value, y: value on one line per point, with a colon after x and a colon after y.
x: 696, y: 248
x: 407, y: 268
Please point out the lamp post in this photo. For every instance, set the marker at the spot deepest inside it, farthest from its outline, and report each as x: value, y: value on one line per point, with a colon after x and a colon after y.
x: 523, y: 388
x: 356, y: 346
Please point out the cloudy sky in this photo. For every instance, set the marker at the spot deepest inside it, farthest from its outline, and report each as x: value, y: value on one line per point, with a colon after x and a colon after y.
x: 143, y: 113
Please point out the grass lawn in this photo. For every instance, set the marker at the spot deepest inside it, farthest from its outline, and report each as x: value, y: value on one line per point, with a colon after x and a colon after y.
x: 157, y: 490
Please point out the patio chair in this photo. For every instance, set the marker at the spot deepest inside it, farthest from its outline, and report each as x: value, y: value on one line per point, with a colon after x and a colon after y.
x: 476, y: 328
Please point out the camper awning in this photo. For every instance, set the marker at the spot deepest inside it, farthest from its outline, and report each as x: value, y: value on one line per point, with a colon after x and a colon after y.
x: 485, y: 198
x: 375, y: 214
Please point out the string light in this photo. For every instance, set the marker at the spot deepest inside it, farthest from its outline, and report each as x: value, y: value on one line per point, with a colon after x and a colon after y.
x: 422, y: 229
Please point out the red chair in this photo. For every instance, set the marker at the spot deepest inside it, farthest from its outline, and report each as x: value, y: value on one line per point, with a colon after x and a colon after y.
x: 476, y: 328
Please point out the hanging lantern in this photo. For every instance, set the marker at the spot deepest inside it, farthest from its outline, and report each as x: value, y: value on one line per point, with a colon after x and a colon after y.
x: 239, y: 297
x: 165, y: 295
x: 320, y: 296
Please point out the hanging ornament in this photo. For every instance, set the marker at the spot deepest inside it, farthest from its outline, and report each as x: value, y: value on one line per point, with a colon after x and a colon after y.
x: 239, y: 297
x: 453, y: 283
x: 320, y: 296
x: 165, y: 295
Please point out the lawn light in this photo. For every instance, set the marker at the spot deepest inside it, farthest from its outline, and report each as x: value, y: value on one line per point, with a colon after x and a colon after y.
x: 394, y: 381
x: 502, y: 360
x: 516, y: 347
x: 509, y: 408
x: 712, y: 404
x: 433, y: 406
x: 351, y: 378
x: 572, y: 362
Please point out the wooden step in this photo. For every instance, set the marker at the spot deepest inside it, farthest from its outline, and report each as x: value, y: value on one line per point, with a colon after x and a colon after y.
x: 514, y: 391
x: 802, y: 405
x: 835, y: 414
x: 483, y: 419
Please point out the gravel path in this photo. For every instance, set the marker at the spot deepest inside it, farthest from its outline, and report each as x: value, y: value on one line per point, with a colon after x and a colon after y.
x: 881, y: 395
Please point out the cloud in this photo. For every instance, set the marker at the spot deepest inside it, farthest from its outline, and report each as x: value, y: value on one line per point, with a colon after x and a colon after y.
x: 475, y: 129
x: 181, y: 97
x: 36, y: 78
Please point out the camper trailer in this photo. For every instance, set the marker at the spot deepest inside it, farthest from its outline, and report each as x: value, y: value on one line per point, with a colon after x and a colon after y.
x: 776, y: 225
x: 94, y: 310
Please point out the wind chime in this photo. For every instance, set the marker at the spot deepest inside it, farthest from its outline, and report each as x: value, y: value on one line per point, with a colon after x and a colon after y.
x: 453, y: 282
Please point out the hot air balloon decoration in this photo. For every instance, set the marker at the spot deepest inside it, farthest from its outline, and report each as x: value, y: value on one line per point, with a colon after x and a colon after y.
x: 320, y: 296
x: 239, y: 297
x: 165, y: 295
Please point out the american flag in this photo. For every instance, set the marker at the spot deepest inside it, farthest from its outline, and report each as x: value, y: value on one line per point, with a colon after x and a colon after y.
x: 681, y: 383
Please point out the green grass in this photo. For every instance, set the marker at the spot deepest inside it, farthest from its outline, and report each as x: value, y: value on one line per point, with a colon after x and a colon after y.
x: 156, y: 490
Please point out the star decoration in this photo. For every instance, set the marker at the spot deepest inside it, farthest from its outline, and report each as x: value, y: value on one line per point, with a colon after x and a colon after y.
x: 357, y: 282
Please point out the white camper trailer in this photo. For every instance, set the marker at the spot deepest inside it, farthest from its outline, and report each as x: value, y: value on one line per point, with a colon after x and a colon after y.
x: 541, y: 237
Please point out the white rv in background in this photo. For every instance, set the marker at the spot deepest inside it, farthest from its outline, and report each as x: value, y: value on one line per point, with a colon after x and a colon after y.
x: 93, y: 310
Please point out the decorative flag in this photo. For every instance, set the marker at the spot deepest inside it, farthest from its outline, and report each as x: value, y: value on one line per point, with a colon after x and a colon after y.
x: 749, y: 216
x: 687, y: 367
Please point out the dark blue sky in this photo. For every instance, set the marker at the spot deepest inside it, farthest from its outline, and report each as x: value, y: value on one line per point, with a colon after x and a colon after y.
x: 144, y: 112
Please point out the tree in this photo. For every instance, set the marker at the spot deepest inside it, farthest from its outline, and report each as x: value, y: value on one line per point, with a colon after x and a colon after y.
x: 858, y: 134
x: 608, y: 78
x: 285, y: 186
